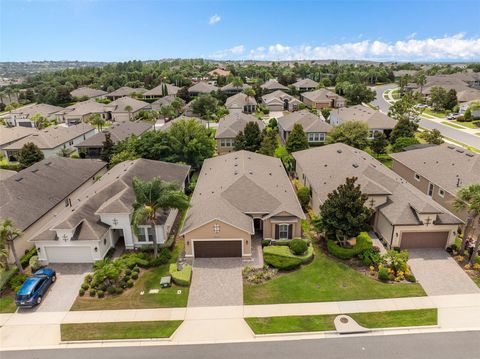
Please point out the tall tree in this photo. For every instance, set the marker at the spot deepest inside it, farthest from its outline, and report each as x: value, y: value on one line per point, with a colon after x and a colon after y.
x: 129, y: 109
x: 152, y: 197
x: 29, y: 154
x: 8, y: 233
x: 107, y: 148
x: 403, y: 128
x: 253, y: 136
x: 421, y: 80
x: 269, y: 142
x: 205, y: 106
x: 432, y: 136
x: 97, y: 121
x: 239, y: 142
x: 379, y: 144
x: 352, y: 133
x: 297, y: 139
x: 39, y: 121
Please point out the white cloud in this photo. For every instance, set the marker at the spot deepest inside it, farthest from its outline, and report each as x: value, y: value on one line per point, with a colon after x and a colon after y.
x: 233, y: 52
x: 457, y: 47
x: 214, y: 19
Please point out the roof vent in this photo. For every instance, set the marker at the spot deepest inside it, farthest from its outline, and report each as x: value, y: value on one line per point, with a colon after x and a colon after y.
x: 18, y: 179
x: 48, y: 163
x: 250, y: 172
x: 451, y: 147
x: 469, y: 154
x: 460, y: 150
x: 339, y: 151
x: 354, y: 165
x: 35, y: 170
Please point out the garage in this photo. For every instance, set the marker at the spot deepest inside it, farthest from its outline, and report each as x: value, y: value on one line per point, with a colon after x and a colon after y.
x: 411, y: 240
x: 217, y: 249
x: 70, y: 254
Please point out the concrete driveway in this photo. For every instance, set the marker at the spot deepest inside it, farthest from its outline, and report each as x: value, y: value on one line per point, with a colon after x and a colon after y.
x: 216, y: 282
x: 63, y: 292
x: 439, y: 274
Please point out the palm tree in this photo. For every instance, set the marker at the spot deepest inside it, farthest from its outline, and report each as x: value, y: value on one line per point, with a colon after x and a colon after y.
x: 97, y: 121
x: 8, y: 233
x: 468, y: 199
x: 237, y: 82
x: 421, y: 80
x: 152, y: 197
x: 9, y: 93
x: 129, y: 109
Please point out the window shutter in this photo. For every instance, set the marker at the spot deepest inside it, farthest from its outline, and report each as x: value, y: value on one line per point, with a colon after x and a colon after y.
x: 277, y: 231
x: 290, y: 230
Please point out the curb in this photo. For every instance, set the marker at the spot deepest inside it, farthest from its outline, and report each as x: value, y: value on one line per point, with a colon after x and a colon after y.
x: 115, y: 341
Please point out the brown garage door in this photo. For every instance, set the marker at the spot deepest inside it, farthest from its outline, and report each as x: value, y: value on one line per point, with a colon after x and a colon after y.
x: 424, y: 240
x: 213, y: 249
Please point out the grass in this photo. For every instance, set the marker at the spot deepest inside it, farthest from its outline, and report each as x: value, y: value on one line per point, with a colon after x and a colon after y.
x: 452, y: 125
x: 323, y: 280
x: 7, y: 304
x: 317, y: 323
x: 131, y: 299
x: 434, y: 113
x: 471, y: 124
x: 477, y: 281
x: 477, y: 133
x: 118, y: 330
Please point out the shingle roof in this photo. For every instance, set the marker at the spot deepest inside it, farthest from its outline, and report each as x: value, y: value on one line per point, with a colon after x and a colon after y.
x: 239, y: 100
x: 52, y: 137
x: 165, y: 101
x: 157, y: 91
x: 321, y: 96
x: 309, y: 121
x: 202, y: 87
x: 12, y: 134
x: 44, y: 109
x: 121, y: 103
x: 229, y: 126
x: 118, y: 132
x: 278, y: 96
x: 273, y: 84
x: 305, y: 83
x: 230, y: 87
x: 373, y: 118
x: 87, y: 92
x: 448, y: 166
x: 112, y: 193
x: 34, y: 191
x: 83, y: 108
x: 4, y: 174
x: 125, y: 91
x: 231, y: 185
x: 168, y: 124
x: 328, y: 166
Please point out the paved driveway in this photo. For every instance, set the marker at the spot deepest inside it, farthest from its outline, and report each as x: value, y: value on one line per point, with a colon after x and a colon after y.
x: 63, y: 292
x: 439, y: 274
x: 216, y: 282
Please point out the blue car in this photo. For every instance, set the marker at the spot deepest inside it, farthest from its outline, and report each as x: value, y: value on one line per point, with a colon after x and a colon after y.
x: 34, y: 288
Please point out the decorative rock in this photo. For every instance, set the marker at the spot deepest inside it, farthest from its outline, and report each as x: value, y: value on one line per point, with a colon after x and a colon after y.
x: 142, y: 292
x: 153, y: 291
x: 346, y: 325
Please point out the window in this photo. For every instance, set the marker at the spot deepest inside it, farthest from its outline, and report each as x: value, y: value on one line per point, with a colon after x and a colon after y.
x: 441, y: 192
x: 283, y: 231
x: 316, y: 137
x: 430, y: 189
x: 216, y: 228
x: 151, y: 234
x: 70, y: 143
x: 141, y: 235
x: 226, y: 142
x: 371, y: 134
x: 417, y: 177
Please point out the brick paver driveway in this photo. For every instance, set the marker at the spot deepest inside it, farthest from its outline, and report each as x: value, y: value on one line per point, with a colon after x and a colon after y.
x: 439, y: 274
x: 216, y: 282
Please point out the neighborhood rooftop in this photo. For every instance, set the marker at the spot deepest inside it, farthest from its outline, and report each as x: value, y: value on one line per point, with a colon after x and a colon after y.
x: 118, y: 132
x: 309, y: 121
x: 373, y: 118
x: 12, y: 134
x: 87, y: 92
x: 229, y: 126
x: 159, y: 90
x: 43, y: 109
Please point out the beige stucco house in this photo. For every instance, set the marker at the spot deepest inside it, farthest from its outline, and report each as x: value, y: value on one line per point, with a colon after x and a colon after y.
x: 229, y: 127
x: 322, y: 98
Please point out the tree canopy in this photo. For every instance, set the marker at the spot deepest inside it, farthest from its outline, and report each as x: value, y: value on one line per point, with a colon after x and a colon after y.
x: 352, y: 133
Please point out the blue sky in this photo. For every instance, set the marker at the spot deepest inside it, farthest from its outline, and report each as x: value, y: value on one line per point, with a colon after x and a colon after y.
x: 105, y: 30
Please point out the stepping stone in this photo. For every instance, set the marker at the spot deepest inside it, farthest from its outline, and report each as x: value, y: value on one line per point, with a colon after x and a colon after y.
x: 142, y: 292
x: 153, y: 291
x: 346, y: 325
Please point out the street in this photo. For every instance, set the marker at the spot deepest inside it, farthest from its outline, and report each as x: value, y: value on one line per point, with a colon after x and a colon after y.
x: 463, y: 345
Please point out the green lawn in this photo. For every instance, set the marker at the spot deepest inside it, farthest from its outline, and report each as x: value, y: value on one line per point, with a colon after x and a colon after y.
x: 131, y: 299
x: 434, y: 113
x: 7, y: 304
x: 325, y: 280
x: 471, y: 124
x: 317, y: 323
x: 118, y: 330
x: 452, y: 125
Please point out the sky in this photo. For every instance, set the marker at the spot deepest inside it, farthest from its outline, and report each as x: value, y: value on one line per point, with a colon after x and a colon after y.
x: 121, y: 30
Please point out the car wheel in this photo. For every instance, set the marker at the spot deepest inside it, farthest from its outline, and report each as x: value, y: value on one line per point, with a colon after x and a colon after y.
x: 54, y: 278
x: 39, y: 300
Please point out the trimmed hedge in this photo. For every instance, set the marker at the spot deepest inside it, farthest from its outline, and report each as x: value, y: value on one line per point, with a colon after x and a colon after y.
x: 364, y: 242
x: 182, y: 277
x: 281, y: 257
x: 5, y: 277
x: 25, y: 259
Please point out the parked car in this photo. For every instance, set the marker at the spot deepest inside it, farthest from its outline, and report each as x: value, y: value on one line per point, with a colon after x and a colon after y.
x: 421, y: 105
x: 34, y: 288
x: 453, y: 116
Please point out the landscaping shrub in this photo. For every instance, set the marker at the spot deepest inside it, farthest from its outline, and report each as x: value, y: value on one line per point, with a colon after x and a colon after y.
x: 101, y: 294
x: 88, y: 278
x: 6, y: 276
x: 128, y: 272
x: 163, y: 258
x: 383, y: 275
x: 411, y: 278
x: 16, y: 281
x: 92, y: 292
x: 182, y: 277
x: 303, y: 194
x: 281, y: 257
x: 476, y: 260
x: 396, y: 260
x: 130, y: 283
x: 34, y: 264
x: 298, y: 246
x: 259, y: 275
x: 265, y: 242
x: 118, y: 290
x: 370, y: 257
x: 364, y: 242
x: 111, y: 290
x: 135, y: 275
x: 81, y: 292
x: 25, y: 259
x: 85, y: 286
x: 281, y: 242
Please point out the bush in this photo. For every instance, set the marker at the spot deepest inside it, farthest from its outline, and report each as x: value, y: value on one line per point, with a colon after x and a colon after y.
x: 136, y: 269
x: 364, y: 242
x: 81, y: 292
x: 476, y: 260
x: 259, y: 275
x: 111, y: 290
x: 16, y: 281
x: 88, y: 278
x: 101, y: 294
x: 266, y: 242
x: 370, y: 257
x: 118, y: 290
x: 92, y: 292
x: 5, y: 277
x: 410, y: 278
x: 396, y: 260
x: 163, y: 258
x: 25, y: 259
x: 135, y: 275
x: 129, y: 283
x: 85, y: 286
x: 34, y: 264
x: 303, y: 194
x: 281, y: 257
x: 383, y: 274
x: 281, y: 242
x: 182, y: 277
x: 128, y: 272
x: 298, y: 246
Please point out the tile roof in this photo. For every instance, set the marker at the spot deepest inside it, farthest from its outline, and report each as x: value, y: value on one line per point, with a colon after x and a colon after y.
x: 121, y: 103
x: 305, y: 83
x: 82, y: 108
x: 44, y: 109
x: 273, y: 84
x: 202, y: 87
x: 125, y: 91
x: 157, y: 91
x: 230, y: 125
x: 230, y: 87
x: 87, y: 92
x: 118, y: 132
x: 309, y: 121
x: 321, y: 96
x: 278, y: 96
x: 373, y: 118
x: 239, y: 100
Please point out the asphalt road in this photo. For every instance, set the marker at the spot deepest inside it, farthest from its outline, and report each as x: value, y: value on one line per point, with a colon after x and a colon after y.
x: 379, y: 101
x: 464, y: 345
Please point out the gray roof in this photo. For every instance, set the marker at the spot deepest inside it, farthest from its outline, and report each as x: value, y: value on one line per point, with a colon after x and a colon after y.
x: 168, y: 124
x: 234, y: 184
x: 239, y: 100
x: 125, y: 91
x: 321, y: 96
x: 112, y: 193
x: 34, y: 191
x: 118, y: 132
x: 230, y: 87
x: 278, y: 96
x: 12, y: 134
x: 52, y: 137
x: 373, y: 118
x: 305, y: 83
x: 230, y: 125
x: 448, y: 166
x: 119, y: 105
x: 87, y: 92
x: 309, y: 121
x: 82, y: 108
x: 157, y: 91
x: 328, y: 166
x: 202, y: 87
x: 165, y: 101
x: 44, y: 109
x: 273, y: 84
x: 4, y: 174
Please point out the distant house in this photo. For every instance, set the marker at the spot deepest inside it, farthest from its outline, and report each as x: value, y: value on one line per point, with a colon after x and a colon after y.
x: 162, y: 125
x: 305, y: 85
x: 81, y: 112
x: 21, y: 116
x: 10, y: 135
x: 125, y: 108
x: 161, y: 90
x: 101, y: 217
x: 219, y: 72
x: 124, y: 91
x: 241, y: 103
x: 83, y: 92
x: 229, y: 127
x: 37, y: 194
x: 92, y: 147
x: 375, y: 120
x: 315, y: 127
x: 439, y: 171
x: 322, y: 98
x: 201, y: 88
x: 231, y: 89
x: 165, y: 101
x: 280, y: 101
x: 273, y: 85
x: 465, y: 84
x: 52, y: 140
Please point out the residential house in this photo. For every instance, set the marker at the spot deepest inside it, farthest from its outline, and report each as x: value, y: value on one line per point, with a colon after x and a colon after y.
x: 201, y: 87
x: 465, y: 84
x: 439, y: 171
x: 219, y: 72
x: 81, y: 112
x: 125, y: 108
x: 229, y: 127
x: 375, y: 120
x: 315, y: 126
x: 322, y: 98
x: 4, y: 174
x: 165, y: 101
x: 161, y: 90
x: 273, y: 85
x: 35, y: 195
x: 403, y: 216
x: 124, y: 91
x: 22, y: 116
x: 231, y: 89
x: 241, y: 103
x: 240, y: 198
x: 87, y: 92
x: 305, y: 85
x: 101, y: 217
x: 52, y: 140
x: 9, y: 135
x: 280, y: 101
x: 119, y: 131
x: 163, y: 125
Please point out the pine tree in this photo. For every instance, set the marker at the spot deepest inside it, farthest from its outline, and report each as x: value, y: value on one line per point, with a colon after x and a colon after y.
x: 253, y: 136
x: 269, y: 143
x: 297, y: 139
x: 29, y: 154
x: 403, y: 128
x: 107, y: 148
x: 379, y: 143
x: 239, y: 143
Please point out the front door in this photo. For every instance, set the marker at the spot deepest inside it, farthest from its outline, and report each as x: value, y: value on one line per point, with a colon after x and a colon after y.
x: 258, y: 225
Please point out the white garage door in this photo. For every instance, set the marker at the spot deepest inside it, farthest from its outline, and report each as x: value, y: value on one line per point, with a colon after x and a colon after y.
x: 69, y: 254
